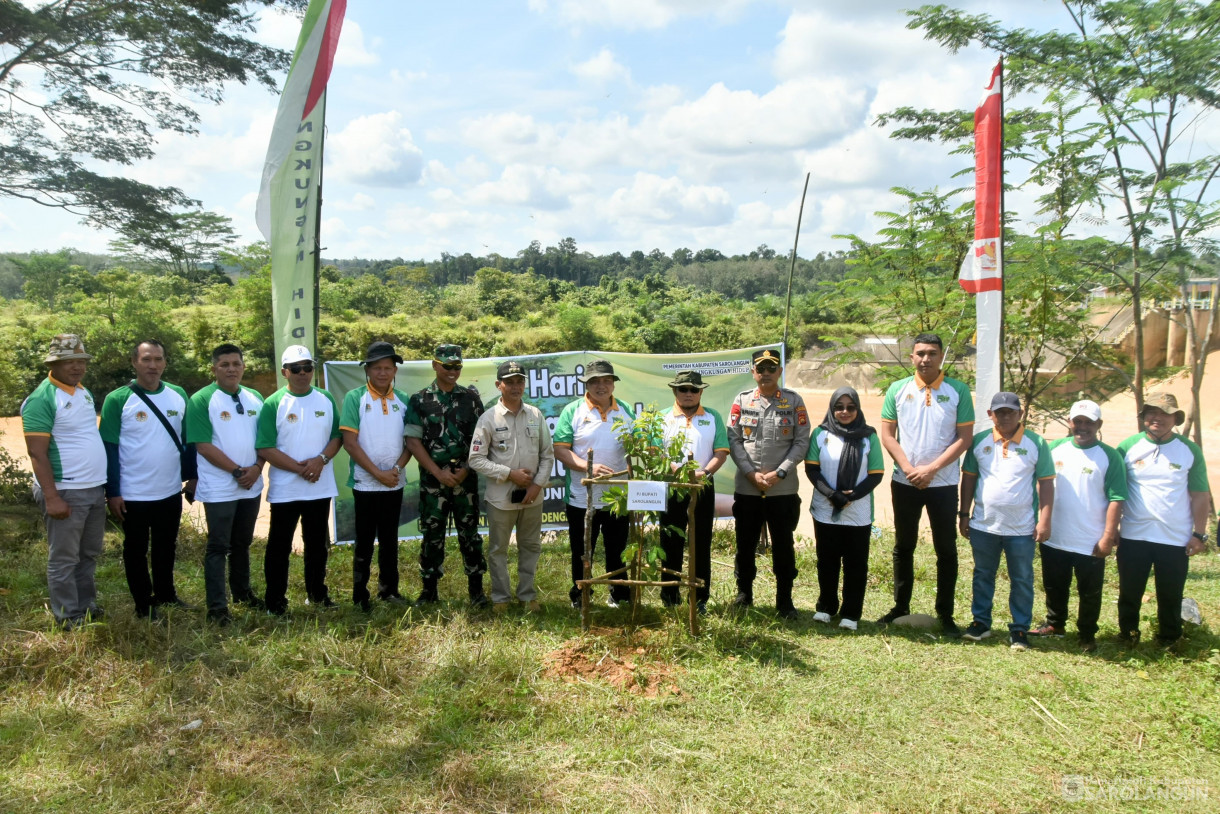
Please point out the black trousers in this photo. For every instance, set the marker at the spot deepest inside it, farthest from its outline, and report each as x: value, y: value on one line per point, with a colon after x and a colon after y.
x: 675, y: 545
x: 846, y: 547
x: 314, y: 517
x: 613, y: 531
x: 155, y: 523
x: 781, y: 514
x: 1058, y: 567
x: 376, y: 519
x: 1169, y: 565
x: 909, y: 505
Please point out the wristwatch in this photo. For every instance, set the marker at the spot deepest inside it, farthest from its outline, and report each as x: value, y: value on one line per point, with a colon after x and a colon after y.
x: 964, y: 515
x: 237, y: 472
x: 781, y: 474
x: 1200, y: 537
x: 325, y: 460
x: 397, y: 470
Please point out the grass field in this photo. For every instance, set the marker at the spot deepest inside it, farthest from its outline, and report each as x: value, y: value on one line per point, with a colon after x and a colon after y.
x: 454, y: 710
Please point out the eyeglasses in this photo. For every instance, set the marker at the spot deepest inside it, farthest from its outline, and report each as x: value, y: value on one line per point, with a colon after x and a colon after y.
x: 766, y: 368
x: 305, y: 368
x: 845, y: 408
x: 686, y: 390
x: 452, y: 367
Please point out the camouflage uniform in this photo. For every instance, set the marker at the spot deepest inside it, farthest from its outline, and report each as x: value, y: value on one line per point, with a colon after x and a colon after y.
x: 445, y: 423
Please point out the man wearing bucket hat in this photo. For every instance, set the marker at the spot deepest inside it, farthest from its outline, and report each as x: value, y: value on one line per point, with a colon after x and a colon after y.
x: 373, y: 423
x: 298, y: 435
x: 1164, y: 519
x: 588, y: 424
x: 1009, y: 478
x: 511, y: 447
x: 706, y: 440
x: 1090, y: 488
x: 69, y: 462
x: 440, y: 424
x: 768, y: 438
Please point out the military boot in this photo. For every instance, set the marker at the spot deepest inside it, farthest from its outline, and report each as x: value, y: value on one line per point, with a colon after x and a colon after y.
x: 478, y: 599
x: 428, y: 594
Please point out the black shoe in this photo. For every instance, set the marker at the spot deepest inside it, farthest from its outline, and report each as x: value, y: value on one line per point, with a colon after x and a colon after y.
x: 474, y: 587
x: 976, y: 632
x: 1017, y: 640
x: 479, y: 602
x: 325, y: 603
x: 701, y: 607
x: 891, y: 616
x: 1129, y: 638
x: 221, y: 618
x: 427, y: 596
x: 364, y: 605
x: 789, y: 613
x: 251, y: 601
x: 743, y: 600
x: 1088, y: 644
x: 670, y: 598
x: 95, y: 614
x: 576, y: 603
x: 150, y: 614
x: 950, y: 628
x: 278, y: 610
x: 176, y: 602
x: 394, y: 599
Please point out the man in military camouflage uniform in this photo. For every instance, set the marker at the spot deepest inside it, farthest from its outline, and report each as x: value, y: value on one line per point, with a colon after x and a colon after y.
x: 440, y: 424
x: 768, y: 439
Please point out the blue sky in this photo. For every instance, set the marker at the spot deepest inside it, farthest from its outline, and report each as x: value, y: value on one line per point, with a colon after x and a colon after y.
x: 624, y: 124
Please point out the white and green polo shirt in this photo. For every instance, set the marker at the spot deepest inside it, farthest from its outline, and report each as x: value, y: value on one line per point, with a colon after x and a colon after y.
x: 705, y: 432
x: 1087, y: 480
x: 379, y: 424
x: 1160, y: 478
x: 150, y: 466
x: 1006, y: 495
x: 583, y: 426
x: 229, y: 422
x: 927, y: 416
x: 66, y: 416
x: 825, y: 450
x: 300, y: 426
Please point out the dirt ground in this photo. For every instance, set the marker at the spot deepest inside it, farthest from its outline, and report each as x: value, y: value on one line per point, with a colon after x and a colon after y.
x: 1118, y: 415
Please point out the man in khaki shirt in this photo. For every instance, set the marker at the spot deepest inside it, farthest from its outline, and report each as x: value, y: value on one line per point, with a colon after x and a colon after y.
x: 511, y: 447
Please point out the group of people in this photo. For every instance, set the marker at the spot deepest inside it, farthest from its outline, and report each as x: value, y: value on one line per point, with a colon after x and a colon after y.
x: 1148, y: 498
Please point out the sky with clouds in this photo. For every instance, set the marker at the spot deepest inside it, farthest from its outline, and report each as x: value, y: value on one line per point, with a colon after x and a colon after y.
x: 624, y: 124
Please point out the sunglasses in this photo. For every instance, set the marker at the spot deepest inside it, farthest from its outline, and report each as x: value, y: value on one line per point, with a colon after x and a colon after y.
x: 767, y: 368
x: 237, y: 405
x: 686, y: 390
x: 845, y: 408
x: 305, y: 368
x: 453, y: 366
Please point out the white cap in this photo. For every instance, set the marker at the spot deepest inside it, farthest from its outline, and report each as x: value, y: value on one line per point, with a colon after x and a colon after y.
x: 1087, y: 409
x: 293, y: 354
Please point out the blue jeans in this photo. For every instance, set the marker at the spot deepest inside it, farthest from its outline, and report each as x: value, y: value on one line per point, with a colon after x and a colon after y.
x: 1019, y: 553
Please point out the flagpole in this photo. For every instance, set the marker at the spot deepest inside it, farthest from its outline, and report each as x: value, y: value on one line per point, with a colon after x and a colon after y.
x: 1003, y: 253
x: 317, y: 242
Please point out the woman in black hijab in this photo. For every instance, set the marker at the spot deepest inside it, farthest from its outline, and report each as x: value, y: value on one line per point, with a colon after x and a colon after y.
x: 845, y: 465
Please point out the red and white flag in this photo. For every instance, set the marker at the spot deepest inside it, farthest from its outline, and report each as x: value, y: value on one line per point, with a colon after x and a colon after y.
x: 983, y: 267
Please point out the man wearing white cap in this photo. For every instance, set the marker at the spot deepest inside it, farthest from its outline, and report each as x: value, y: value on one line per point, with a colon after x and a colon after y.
x: 1090, y: 488
x: 69, y: 460
x: 298, y: 434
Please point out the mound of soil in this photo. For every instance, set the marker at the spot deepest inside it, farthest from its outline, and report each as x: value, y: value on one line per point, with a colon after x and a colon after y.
x: 625, y: 666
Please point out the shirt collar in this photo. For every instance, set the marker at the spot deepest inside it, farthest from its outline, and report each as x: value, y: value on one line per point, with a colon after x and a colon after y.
x: 1016, y: 436
x: 600, y: 411
x: 934, y: 384
x: 71, y: 391
x: 679, y: 414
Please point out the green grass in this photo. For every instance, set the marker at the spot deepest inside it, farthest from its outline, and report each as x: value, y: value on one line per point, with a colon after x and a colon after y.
x: 453, y: 710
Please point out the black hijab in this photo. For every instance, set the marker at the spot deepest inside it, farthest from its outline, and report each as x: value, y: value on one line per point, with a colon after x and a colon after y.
x: 852, y: 435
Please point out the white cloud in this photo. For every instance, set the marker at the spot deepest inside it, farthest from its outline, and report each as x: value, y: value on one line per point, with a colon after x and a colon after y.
x: 653, y: 198
x: 523, y: 185
x: 637, y: 14
x: 602, y: 68
x: 359, y: 202
x: 351, y: 52
x: 375, y: 150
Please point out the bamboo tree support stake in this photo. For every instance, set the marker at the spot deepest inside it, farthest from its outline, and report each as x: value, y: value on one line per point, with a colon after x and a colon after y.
x: 693, y: 613
x: 586, y: 592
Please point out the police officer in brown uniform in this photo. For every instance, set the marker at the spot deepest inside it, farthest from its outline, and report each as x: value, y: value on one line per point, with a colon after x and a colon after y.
x: 768, y: 439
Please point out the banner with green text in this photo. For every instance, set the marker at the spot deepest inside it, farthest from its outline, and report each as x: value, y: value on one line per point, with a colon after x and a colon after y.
x: 553, y: 382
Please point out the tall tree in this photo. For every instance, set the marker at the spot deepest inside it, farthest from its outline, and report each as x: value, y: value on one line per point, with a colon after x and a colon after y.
x: 1141, y: 73
x: 89, y: 83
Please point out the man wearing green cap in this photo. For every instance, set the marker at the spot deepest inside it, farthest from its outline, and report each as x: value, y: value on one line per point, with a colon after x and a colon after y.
x: 440, y: 424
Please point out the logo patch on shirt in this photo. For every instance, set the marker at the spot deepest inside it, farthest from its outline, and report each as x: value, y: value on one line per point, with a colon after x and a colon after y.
x: 141, y: 416
x: 394, y: 406
x: 802, y: 418
x: 1175, y: 467
x: 703, y: 422
x: 987, y: 449
x: 942, y: 399
x: 476, y: 446
x: 171, y: 412
x: 319, y: 414
x: 292, y: 418
x: 252, y: 413
x: 1086, y: 470
x: 734, y: 415
x: 224, y: 415
x: 1059, y: 464
x: 368, y: 407
x: 1022, y: 451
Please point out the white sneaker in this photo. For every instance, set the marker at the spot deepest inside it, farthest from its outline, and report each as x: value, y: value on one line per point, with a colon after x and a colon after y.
x: 847, y: 624
x: 821, y: 617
